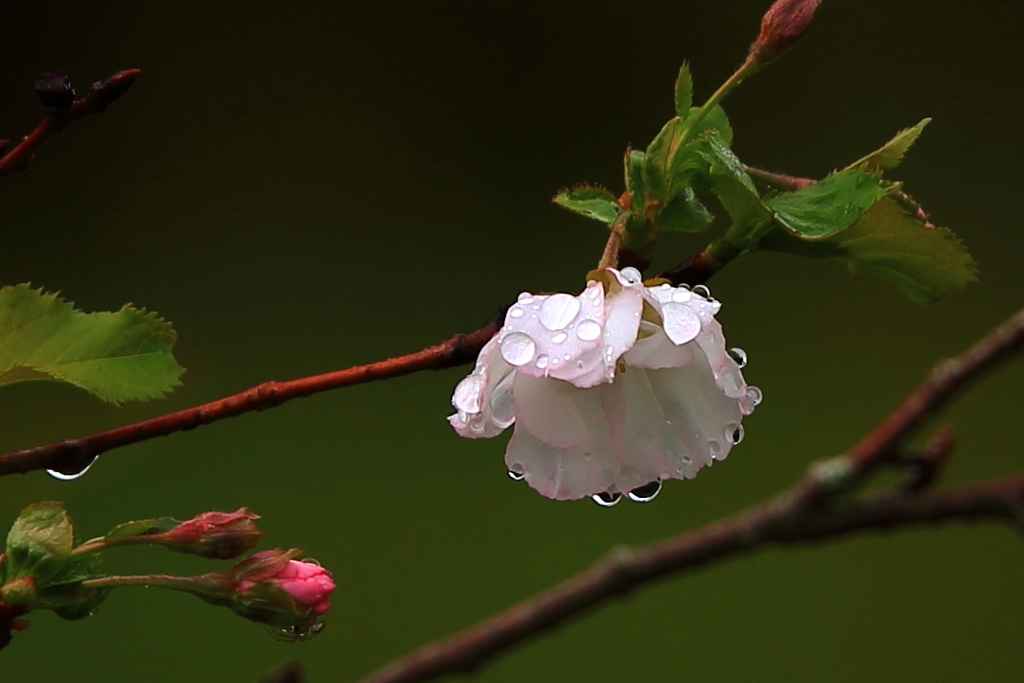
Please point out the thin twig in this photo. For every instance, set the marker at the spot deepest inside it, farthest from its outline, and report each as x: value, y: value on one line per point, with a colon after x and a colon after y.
x: 71, y: 455
x: 100, y: 95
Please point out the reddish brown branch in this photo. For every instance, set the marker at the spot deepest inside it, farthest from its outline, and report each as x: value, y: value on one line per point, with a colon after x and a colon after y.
x: 72, y: 454
x: 60, y: 113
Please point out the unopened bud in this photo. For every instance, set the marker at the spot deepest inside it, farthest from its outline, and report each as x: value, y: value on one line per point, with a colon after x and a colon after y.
x: 216, y: 535
x: 55, y: 92
x: 783, y: 23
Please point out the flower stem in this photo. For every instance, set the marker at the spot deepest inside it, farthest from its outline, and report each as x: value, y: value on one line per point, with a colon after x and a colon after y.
x: 610, y: 257
x: 749, y: 66
x: 184, y: 584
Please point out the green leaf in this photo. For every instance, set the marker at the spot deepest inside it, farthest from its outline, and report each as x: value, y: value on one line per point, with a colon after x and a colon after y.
x: 634, y: 163
x: 684, y: 214
x: 829, y: 205
x: 122, y: 356
x: 925, y: 263
x: 39, y: 542
x: 64, y: 594
x: 656, y: 163
x: 715, y: 120
x: 592, y: 202
x: 891, y: 153
x: 732, y: 185
x: 684, y: 91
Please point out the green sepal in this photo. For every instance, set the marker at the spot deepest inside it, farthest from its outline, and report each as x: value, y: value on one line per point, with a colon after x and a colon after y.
x: 684, y: 91
x: 891, y: 153
x: 684, y: 213
x: 658, y: 158
x: 141, y: 527
x: 634, y: 166
x: 39, y: 543
x: 119, y: 356
x: 829, y: 205
x: 592, y: 202
x: 925, y: 263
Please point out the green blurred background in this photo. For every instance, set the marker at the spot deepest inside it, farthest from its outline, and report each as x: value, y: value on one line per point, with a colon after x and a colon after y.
x: 304, y: 186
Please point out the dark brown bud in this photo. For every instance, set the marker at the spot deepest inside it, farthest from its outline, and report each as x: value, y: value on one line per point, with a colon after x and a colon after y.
x: 783, y: 23
x: 55, y: 92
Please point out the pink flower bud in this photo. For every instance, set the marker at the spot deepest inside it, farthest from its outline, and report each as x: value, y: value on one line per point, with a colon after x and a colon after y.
x: 308, y: 583
x: 783, y: 23
x: 217, y: 535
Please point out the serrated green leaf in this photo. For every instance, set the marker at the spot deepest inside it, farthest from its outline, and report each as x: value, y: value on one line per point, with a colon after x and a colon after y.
x: 715, y: 120
x: 39, y: 542
x: 684, y: 91
x: 732, y: 185
x: 122, y: 356
x: 142, y: 527
x: 684, y: 213
x: 925, y: 263
x: 829, y: 205
x: 634, y: 166
x: 891, y: 153
x: 592, y: 202
x: 64, y: 594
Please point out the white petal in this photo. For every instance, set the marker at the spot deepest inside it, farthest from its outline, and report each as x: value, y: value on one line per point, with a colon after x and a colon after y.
x: 653, y: 350
x: 548, y: 409
x: 473, y: 395
x: 727, y: 372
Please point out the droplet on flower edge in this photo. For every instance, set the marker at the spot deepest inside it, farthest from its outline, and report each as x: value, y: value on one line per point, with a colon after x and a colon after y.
x: 738, y: 355
x: 645, y: 493
x: 606, y: 499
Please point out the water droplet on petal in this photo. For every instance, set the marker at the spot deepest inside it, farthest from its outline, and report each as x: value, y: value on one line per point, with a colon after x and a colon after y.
x: 714, y: 449
x: 558, y: 311
x: 681, y: 296
x: 755, y: 395
x: 645, y: 493
x: 542, y: 361
x: 503, y: 403
x: 567, y: 357
x: 687, y: 460
x: 518, y: 348
x: 516, y: 312
x: 559, y: 338
x: 631, y: 275
x: 517, y: 472
x: 701, y: 290
x: 606, y: 499
x: 589, y: 330
x: 525, y: 298
x: 579, y: 365
x: 738, y: 355
x: 71, y: 476
x: 734, y: 432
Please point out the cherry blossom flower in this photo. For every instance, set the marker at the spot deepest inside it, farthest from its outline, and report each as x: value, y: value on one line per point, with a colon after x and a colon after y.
x: 611, y: 391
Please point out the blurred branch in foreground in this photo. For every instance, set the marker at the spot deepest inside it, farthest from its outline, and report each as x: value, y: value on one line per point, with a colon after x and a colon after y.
x: 62, y: 109
x: 814, y: 508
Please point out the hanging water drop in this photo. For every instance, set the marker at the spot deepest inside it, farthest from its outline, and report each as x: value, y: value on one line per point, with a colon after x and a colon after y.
x: 702, y: 290
x: 645, y: 493
x: 606, y: 499
x: 71, y: 476
x: 734, y: 433
x: 738, y: 355
x: 517, y: 472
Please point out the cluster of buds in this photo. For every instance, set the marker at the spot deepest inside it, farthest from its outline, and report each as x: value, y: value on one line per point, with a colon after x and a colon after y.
x: 42, y: 569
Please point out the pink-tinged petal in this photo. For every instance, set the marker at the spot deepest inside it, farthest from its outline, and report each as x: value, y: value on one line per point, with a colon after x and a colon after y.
x: 550, y: 334
x: 700, y: 416
x: 474, y: 397
x: 728, y: 376
x: 654, y: 350
x: 321, y: 607
x: 547, y: 407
